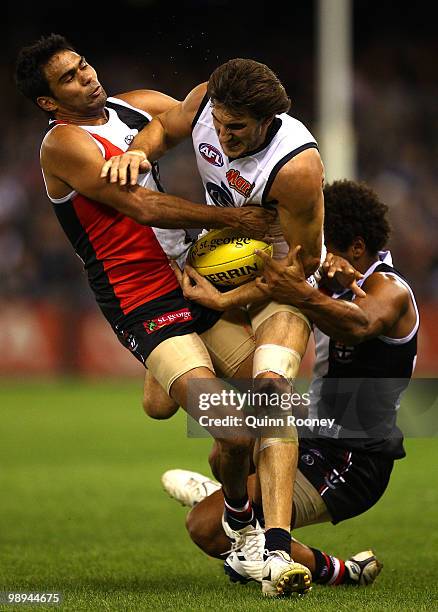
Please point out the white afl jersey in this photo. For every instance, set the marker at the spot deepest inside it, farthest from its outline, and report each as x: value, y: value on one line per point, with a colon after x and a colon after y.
x: 247, y: 180
x: 124, y: 123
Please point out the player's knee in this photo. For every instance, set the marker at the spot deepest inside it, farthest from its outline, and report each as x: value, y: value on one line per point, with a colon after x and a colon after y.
x: 198, y: 528
x: 159, y: 409
x: 286, y: 432
x: 272, y: 360
x: 273, y: 386
x: 203, y: 532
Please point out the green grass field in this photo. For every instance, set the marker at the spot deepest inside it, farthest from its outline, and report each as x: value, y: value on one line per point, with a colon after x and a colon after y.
x: 82, y: 512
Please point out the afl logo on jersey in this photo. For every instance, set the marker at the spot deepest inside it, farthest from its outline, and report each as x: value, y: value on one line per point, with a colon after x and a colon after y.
x: 211, y: 154
x: 129, y: 138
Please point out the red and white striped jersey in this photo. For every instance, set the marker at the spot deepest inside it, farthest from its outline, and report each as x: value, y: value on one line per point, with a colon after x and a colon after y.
x: 125, y: 262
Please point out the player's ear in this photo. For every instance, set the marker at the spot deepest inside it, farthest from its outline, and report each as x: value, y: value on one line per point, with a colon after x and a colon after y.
x: 47, y: 103
x: 358, y: 247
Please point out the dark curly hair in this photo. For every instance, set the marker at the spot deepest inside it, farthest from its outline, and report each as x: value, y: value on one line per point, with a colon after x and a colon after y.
x: 29, y: 67
x: 247, y: 86
x: 354, y: 209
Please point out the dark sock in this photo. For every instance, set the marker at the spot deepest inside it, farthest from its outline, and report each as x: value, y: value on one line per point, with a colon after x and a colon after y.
x: 238, y: 512
x: 328, y: 570
x: 278, y: 539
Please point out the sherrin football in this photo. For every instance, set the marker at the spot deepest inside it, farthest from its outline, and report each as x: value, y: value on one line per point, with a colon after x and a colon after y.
x: 227, y: 258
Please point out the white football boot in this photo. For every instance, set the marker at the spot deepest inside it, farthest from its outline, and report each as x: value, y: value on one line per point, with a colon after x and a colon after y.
x: 245, y: 561
x: 189, y: 488
x: 283, y: 577
x: 363, y: 568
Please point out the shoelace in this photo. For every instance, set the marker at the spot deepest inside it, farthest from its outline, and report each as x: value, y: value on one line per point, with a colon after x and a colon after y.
x: 269, y: 553
x: 251, y: 541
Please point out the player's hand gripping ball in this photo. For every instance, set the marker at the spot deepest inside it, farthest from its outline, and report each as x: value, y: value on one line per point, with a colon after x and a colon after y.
x: 226, y: 258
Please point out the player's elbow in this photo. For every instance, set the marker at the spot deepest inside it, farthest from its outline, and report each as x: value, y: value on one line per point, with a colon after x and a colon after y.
x: 144, y: 216
x: 145, y: 209
x: 139, y: 204
x: 356, y: 332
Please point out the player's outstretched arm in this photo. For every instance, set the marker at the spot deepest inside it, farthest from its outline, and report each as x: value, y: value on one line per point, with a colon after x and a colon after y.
x: 72, y: 161
x: 162, y: 133
x: 386, y: 300
x: 152, y: 102
x: 249, y: 293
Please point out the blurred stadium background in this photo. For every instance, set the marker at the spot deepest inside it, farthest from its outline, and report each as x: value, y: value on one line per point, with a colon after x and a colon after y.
x: 49, y: 322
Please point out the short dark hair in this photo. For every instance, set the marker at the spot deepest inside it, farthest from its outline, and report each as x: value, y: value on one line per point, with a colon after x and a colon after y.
x: 353, y: 209
x: 246, y: 86
x: 29, y: 67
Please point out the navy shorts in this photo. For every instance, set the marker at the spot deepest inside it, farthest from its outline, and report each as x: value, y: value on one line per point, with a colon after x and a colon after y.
x: 144, y: 328
x: 349, y: 481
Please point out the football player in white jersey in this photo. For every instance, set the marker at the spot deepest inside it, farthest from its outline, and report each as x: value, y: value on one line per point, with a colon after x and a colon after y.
x: 249, y: 151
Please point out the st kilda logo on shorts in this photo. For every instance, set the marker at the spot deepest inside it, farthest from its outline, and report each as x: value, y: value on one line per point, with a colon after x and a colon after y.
x: 211, y: 154
x: 169, y: 318
x: 239, y: 183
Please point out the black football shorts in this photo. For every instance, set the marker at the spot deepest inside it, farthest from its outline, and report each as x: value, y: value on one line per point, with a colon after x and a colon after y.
x: 349, y: 481
x: 144, y: 328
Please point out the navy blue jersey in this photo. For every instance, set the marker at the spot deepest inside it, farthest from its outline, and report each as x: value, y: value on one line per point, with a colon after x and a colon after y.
x: 360, y: 386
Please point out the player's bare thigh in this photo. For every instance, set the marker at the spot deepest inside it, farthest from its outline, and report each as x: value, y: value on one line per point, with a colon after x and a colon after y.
x: 231, y: 346
x: 169, y: 367
x: 157, y: 404
x: 284, y: 329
